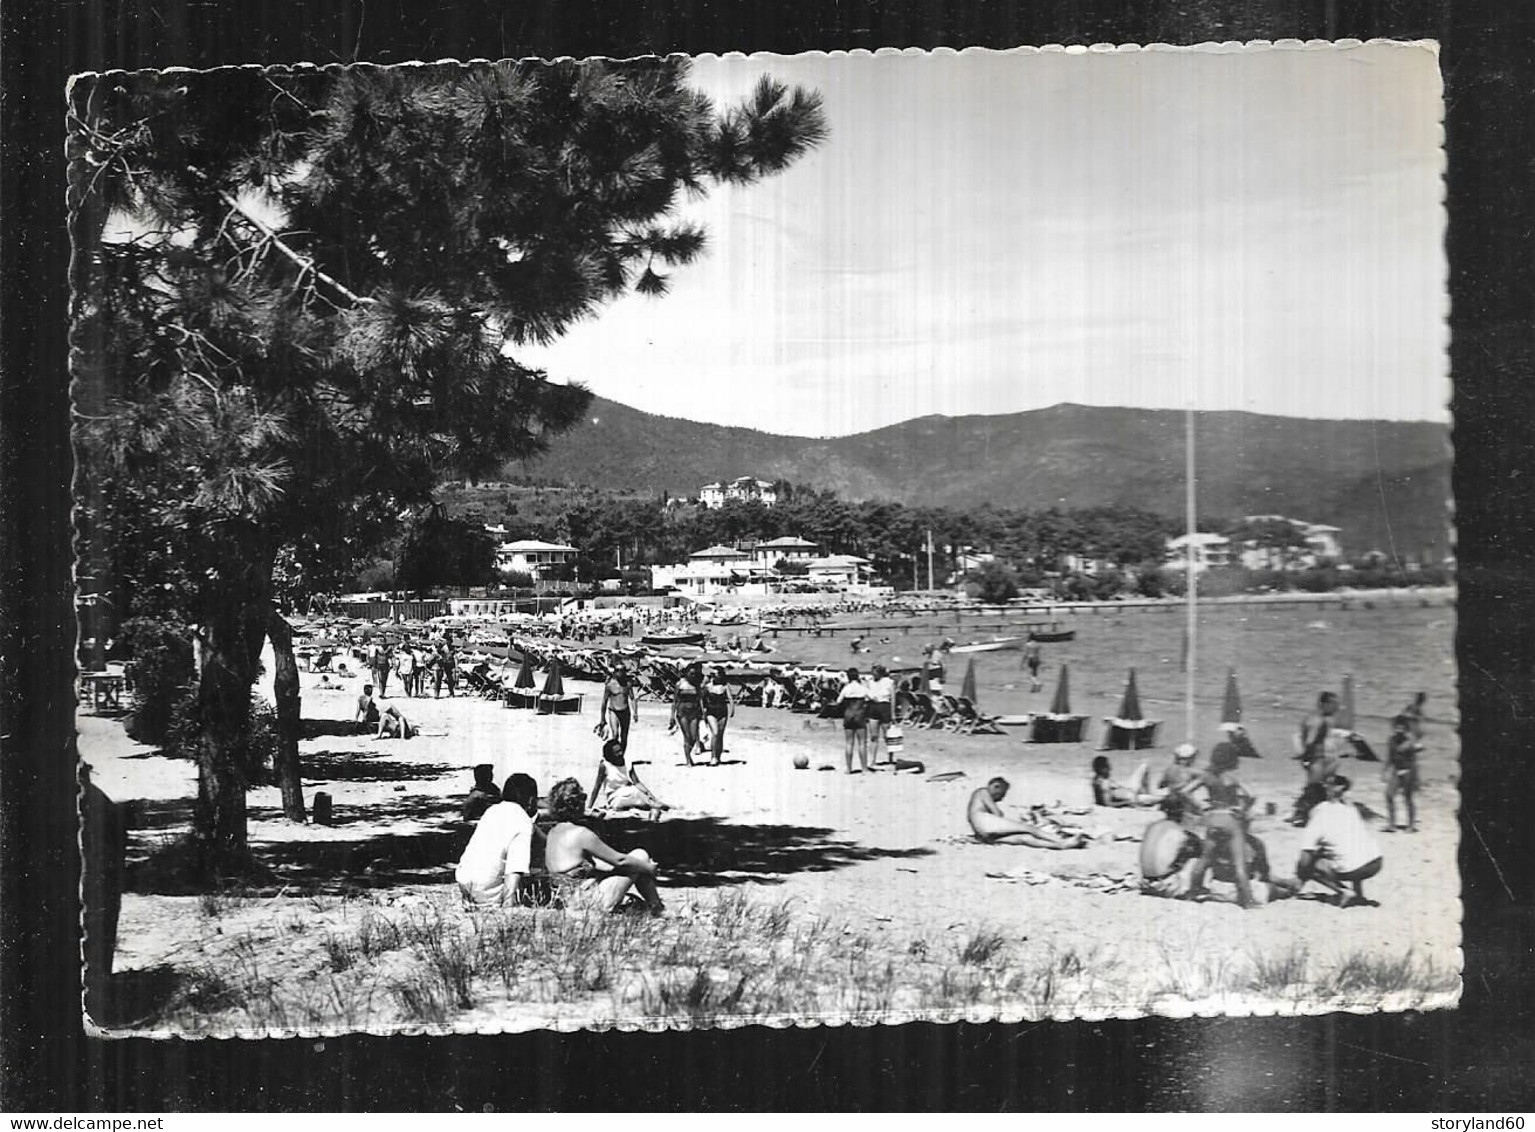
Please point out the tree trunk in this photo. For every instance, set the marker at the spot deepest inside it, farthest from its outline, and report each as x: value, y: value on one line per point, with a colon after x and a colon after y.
x: 289, y: 707
x: 223, y: 700
x: 232, y: 633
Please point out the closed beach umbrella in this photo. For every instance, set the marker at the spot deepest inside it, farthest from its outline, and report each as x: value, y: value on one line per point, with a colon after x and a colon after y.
x: 1346, y: 708
x: 525, y: 674
x: 1231, y: 704
x: 1061, y: 705
x: 1130, y: 706
x: 967, y: 689
x: 553, y: 684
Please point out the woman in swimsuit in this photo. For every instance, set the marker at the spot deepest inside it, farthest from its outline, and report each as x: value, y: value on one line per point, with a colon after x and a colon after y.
x: 687, y: 708
x: 719, y: 705
x: 618, y: 787
x: 854, y: 699
x: 584, y: 871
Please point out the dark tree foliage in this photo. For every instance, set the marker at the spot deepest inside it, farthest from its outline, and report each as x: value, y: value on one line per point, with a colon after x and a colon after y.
x: 438, y: 550
x: 300, y: 295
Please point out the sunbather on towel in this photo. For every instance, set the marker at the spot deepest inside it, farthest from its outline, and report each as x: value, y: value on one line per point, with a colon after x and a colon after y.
x: 991, y: 825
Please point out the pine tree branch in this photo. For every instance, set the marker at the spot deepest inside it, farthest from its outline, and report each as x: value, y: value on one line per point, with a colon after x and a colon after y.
x: 306, y: 265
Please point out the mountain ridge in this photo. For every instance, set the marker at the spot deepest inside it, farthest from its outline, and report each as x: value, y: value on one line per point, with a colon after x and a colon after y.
x: 1383, y: 482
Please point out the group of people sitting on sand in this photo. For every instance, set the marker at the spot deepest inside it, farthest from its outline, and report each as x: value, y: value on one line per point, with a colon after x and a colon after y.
x: 512, y: 859
x: 1204, y: 830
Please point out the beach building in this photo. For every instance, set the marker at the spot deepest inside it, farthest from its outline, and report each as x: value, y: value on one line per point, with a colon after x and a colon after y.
x: 744, y: 489
x: 1207, y: 551
x: 713, y: 570
x: 845, y: 571
x: 788, y: 549
x: 530, y: 556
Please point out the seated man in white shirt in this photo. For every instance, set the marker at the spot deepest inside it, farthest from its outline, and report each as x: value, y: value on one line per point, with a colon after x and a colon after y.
x: 1339, y: 848
x: 495, y: 864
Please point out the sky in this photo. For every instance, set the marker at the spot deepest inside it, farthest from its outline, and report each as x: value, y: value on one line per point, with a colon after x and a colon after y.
x: 990, y: 232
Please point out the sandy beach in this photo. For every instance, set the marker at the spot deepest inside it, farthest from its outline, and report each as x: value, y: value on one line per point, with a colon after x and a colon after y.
x: 885, y: 855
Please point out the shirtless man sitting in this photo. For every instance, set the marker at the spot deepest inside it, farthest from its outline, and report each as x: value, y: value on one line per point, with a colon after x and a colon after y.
x: 991, y: 825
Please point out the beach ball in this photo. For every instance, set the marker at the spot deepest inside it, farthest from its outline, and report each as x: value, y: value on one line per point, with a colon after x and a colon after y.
x: 801, y: 762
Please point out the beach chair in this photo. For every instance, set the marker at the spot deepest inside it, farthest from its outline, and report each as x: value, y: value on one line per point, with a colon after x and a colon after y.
x: 948, y: 717
x: 972, y: 722
x: 906, y: 710
x: 924, y: 711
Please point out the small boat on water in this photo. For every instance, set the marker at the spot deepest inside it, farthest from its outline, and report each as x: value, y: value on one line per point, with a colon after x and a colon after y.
x: 995, y: 645
x: 662, y: 640
x: 1054, y: 637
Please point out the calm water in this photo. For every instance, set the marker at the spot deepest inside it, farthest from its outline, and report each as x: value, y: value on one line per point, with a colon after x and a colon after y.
x: 1282, y: 658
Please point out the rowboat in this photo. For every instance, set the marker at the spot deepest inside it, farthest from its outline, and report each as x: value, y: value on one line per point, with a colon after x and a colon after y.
x: 995, y: 645
x: 662, y: 640
x: 1052, y: 638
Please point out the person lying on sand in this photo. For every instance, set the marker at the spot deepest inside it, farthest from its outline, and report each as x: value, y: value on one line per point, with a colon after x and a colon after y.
x: 583, y: 870
x: 1135, y: 791
x: 1339, y: 847
x: 497, y: 861
x: 618, y: 787
x: 991, y: 825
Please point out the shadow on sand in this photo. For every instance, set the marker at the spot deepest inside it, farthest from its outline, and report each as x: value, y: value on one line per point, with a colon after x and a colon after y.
x: 355, y: 853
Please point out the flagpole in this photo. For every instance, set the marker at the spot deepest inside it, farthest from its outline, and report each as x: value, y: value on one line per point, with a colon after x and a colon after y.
x: 1192, y: 586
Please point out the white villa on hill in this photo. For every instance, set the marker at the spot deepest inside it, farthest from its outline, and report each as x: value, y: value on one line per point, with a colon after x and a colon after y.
x: 744, y: 489
x: 530, y: 556
x: 1206, y: 549
x: 1322, y: 545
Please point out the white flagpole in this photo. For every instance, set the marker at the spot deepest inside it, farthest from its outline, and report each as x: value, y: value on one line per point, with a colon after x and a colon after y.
x: 1192, y: 586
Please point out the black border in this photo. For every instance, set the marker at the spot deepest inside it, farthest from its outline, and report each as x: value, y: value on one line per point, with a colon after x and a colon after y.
x: 1473, y: 1059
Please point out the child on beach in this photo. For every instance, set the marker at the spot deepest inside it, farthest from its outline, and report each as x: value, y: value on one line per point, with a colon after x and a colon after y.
x: 1401, y: 772
x: 1227, y: 803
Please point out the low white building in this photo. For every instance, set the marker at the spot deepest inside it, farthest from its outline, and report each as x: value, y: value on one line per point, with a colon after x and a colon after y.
x: 1207, y: 550
x: 530, y: 556
x: 841, y: 570
x: 788, y: 549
